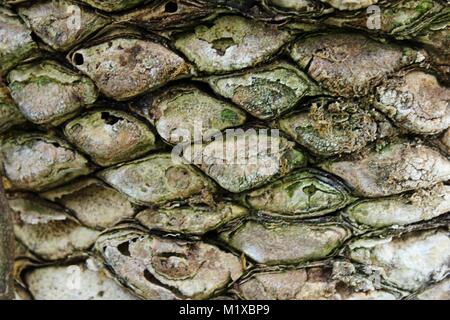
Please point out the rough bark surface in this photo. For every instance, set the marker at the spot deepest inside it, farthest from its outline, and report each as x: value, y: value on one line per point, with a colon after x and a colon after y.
x: 6, y: 247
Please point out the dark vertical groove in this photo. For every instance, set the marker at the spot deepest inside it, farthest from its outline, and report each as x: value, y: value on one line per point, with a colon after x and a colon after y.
x: 6, y: 247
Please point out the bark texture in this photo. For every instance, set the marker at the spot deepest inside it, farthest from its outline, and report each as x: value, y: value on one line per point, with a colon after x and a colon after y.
x: 6, y: 247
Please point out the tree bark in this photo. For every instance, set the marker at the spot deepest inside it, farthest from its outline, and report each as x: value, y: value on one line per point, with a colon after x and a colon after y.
x: 6, y: 247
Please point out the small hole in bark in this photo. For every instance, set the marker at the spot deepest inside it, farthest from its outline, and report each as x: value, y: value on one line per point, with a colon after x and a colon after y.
x: 110, y: 119
x: 221, y: 45
x: 171, y: 7
x: 342, y: 288
x: 310, y: 190
x: 124, y: 249
x: 78, y: 59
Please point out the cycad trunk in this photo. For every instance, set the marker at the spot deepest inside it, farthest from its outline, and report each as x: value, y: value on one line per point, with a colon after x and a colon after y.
x: 192, y: 149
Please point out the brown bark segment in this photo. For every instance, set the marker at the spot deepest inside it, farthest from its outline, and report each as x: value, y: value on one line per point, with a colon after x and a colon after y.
x: 6, y: 247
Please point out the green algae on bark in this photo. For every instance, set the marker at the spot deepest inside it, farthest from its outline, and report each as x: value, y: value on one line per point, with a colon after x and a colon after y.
x: 10, y: 115
x: 266, y: 92
x: 302, y: 194
x: 191, y: 220
x: 245, y: 159
x: 35, y: 161
x: 231, y: 44
x: 186, y: 114
x: 110, y: 136
x: 331, y: 128
x: 133, y: 65
x: 157, y: 179
x: 48, y: 93
x: 16, y: 44
x: 62, y: 24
